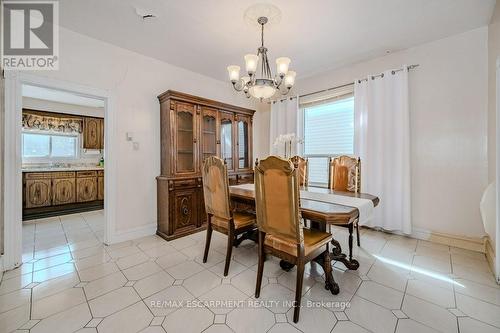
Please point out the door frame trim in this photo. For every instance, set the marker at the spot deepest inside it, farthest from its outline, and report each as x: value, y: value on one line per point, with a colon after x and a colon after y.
x: 13, y: 159
x: 497, y: 175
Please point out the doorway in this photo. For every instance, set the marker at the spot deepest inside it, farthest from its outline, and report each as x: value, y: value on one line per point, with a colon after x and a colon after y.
x: 46, y: 165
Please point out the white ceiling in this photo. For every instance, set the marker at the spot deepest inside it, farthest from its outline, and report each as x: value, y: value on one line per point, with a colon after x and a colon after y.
x: 207, y: 35
x: 60, y: 96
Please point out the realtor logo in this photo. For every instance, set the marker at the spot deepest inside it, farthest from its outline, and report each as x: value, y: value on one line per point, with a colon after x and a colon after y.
x: 30, y: 35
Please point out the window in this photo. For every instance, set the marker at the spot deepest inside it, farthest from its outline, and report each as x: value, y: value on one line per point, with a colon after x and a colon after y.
x: 42, y: 145
x: 328, y: 131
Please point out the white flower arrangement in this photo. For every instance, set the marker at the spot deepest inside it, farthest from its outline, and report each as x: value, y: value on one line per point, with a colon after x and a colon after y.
x: 287, y: 141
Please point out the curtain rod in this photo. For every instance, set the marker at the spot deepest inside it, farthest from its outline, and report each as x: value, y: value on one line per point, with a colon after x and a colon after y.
x: 345, y: 85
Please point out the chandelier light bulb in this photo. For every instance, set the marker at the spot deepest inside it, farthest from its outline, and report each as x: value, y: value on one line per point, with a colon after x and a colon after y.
x: 234, y: 73
x: 282, y: 64
x: 290, y: 79
x: 251, y: 61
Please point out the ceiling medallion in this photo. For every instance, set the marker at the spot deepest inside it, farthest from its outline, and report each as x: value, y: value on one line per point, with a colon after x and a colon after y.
x: 260, y: 82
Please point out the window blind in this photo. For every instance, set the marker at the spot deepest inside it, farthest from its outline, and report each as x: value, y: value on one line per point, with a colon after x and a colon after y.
x: 328, y: 131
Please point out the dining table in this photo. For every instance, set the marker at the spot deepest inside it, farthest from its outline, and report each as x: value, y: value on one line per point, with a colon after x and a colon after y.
x: 321, y: 214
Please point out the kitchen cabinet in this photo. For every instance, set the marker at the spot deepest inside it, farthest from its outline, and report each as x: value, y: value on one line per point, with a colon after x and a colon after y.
x: 100, y: 185
x: 52, y: 193
x: 38, y: 190
x: 93, y: 133
x: 63, y: 188
x: 86, y: 186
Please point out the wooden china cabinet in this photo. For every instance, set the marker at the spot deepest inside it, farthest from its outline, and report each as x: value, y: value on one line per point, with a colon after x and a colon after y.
x: 192, y: 129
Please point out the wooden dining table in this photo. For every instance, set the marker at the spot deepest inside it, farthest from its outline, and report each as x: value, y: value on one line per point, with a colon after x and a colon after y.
x: 321, y: 214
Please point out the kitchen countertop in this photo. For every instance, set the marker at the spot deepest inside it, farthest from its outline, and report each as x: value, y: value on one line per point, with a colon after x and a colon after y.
x: 55, y: 169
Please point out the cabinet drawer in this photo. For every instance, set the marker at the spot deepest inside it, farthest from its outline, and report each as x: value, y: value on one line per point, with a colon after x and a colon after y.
x: 63, y: 174
x: 38, y: 175
x: 90, y: 173
x: 184, y: 183
x: 100, y: 173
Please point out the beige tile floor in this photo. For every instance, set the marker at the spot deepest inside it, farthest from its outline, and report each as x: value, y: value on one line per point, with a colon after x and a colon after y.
x: 71, y: 282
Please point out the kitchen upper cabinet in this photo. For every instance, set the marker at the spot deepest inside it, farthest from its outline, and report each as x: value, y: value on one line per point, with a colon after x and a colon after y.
x: 63, y: 188
x: 93, y: 133
x: 38, y: 190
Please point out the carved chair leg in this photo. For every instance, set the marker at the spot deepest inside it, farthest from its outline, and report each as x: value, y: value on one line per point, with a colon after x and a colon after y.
x: 260, y: 269
x: 298, y: 290
x: 230, y: 241
x: 207, y: 241
x: 357, y: 234
x: 351, y: 227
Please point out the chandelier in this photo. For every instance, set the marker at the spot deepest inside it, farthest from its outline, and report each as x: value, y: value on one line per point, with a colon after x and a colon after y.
x: 260, y: 82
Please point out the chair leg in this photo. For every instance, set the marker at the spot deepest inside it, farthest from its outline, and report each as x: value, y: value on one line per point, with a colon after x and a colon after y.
x: 230, y: 241
x: 357, y: 234
x: 260, y: 269
x: 209, y: 238
x: 298, y: 291
x: 351, y: 229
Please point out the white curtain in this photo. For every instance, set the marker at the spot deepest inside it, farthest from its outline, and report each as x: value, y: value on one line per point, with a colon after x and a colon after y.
x: 382, y: 140
x: 285, y: 119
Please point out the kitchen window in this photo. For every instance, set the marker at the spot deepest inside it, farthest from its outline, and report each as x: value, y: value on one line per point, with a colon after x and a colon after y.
x: 40, y: 146
x: 328, y: 131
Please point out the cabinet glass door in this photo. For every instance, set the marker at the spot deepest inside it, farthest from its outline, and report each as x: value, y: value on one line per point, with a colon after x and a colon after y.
x: 209, y: 134
x: 185, y: 142
x: 243, y: 157
x: 226, y: 139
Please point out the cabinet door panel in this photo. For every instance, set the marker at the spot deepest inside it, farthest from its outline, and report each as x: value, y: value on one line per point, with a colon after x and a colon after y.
x: 209, y: 132
x: 63, y: 191
x: 185, y: 136
x: 86, y: 189
x: 101, y: 133
x: 91, y: 133
x: 227, y: 139
x: 100, y: 188
x: 38, y: 193
x: 244, y: 142
x: 185, y: 213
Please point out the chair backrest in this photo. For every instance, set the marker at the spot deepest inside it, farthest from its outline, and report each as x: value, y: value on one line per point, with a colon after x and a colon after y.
x: 302, y: 164
x: 345, y: 174
x: 277, y: 199
x: 216, y: 188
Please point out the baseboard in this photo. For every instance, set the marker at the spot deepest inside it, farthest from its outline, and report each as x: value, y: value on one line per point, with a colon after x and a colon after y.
x: 469, y: 243
x: 146, y: 230
x: 490, y: 252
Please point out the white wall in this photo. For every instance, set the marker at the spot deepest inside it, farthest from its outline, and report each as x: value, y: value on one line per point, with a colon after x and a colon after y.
x: 135, y: 81
x: 51, y: 106
x: 448, y: 97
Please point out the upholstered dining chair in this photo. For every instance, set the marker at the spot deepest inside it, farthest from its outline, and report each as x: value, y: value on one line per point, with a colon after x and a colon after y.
x: 345, y: 176
x: 280, y: 232
x: 221, y: 216
x: 302, y: 164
